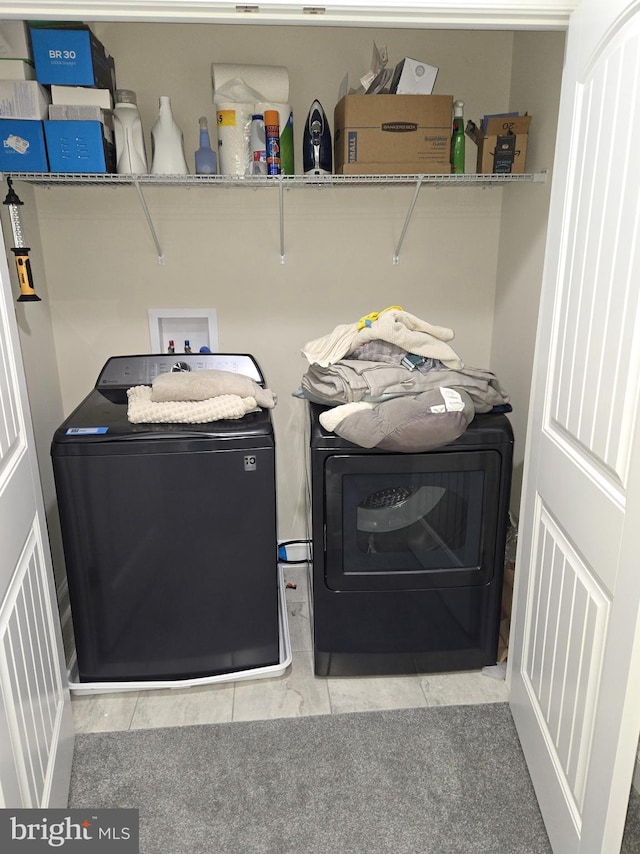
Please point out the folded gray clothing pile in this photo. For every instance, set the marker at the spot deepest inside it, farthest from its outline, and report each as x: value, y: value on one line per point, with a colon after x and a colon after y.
x: 351, y: 380
x: 382, y: 396
x: 379, y: 405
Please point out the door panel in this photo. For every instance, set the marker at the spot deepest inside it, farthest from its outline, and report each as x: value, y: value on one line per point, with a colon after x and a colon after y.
x: 34, y: 691
x: 575, y: 663
x: 563, y: 649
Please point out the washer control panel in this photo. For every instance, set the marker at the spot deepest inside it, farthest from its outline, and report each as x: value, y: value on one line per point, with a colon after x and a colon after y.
x: 127, y: 371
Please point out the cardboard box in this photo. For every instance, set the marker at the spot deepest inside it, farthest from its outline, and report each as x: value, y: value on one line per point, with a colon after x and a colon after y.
x: 79, y: 147
x: 502, y: 144
x: 77, y: 96
x: 71, y: 57
x: 392, y: 134
x: 14, y: 40
x: 22, y: 146
x: 412, y: 77
x: 86, y: 113
x: 17, y: 69
x: 23, y: 99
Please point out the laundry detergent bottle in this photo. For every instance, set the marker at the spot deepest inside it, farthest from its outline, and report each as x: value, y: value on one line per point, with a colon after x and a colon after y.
x: 131, y: 156
x: 167, y: 143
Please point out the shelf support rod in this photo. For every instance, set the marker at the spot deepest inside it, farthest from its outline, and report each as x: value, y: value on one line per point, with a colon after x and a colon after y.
x: 147, y: 215
x: 281, y: 203
x: 396, y: 256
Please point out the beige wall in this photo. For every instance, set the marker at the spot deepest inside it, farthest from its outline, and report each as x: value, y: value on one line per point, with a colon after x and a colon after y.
x: 221, y: 246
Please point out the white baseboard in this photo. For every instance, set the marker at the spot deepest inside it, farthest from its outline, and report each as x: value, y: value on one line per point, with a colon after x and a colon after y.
x: 636, y: 774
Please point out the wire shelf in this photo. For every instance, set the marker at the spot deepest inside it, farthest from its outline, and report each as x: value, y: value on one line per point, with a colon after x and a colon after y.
x: 281, y: 182
x: 267, y: 181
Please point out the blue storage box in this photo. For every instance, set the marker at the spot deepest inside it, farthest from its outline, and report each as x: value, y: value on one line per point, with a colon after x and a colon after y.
x: 79, y: 147
x: 22, y: 147
x: 71, y: 57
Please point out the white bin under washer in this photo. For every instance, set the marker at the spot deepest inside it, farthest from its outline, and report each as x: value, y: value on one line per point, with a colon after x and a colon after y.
x: 169, y: 534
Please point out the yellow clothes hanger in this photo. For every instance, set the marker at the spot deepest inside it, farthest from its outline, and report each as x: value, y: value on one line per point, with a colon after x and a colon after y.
x: 368, y: 319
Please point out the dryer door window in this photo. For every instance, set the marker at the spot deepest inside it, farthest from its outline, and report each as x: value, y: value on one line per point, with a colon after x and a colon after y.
x: 411, y: 521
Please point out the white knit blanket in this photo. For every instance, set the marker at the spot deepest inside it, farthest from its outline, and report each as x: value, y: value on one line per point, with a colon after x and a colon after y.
x: 143, y: 410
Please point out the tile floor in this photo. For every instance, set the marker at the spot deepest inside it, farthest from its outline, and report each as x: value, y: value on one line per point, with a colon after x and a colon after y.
x: 297, y: 692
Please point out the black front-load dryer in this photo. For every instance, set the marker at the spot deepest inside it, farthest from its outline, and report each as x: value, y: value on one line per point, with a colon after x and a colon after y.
x: 408, y: 551
x: 169, y: 532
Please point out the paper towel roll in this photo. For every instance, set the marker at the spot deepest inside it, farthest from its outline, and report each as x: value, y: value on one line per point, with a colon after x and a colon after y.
x: 271, y: 81
x: 285, y: 117
x: 234, y: 133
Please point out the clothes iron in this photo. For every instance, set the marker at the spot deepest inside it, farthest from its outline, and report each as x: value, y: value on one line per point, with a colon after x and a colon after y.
x: 317, y: 155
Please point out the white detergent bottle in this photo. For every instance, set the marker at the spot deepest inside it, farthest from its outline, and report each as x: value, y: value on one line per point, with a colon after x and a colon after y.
x: 167, y: 143
x: 131, y: 157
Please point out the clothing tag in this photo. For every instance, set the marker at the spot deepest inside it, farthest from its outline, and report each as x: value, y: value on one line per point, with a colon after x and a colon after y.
x: 452, y: 399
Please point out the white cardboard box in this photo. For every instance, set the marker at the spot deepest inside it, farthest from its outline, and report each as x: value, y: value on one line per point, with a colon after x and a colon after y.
x: 412, y: 77
x: 81, y: 96
x: 23, y: 99
x: 80, y: 113
x: 17, y: 69
x: 14, y: 40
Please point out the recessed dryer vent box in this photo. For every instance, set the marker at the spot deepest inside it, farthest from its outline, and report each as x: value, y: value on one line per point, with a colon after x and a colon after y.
x: 198, y: 326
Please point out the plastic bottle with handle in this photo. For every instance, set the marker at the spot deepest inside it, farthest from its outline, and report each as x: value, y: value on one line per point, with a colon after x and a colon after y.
x: 131, y: 156
x: 457, y: 139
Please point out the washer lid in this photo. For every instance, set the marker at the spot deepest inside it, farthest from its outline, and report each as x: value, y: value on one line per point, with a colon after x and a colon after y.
x: 102, y: 415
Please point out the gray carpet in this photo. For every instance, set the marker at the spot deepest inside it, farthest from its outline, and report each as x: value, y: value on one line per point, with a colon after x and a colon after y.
x: 415, y: 781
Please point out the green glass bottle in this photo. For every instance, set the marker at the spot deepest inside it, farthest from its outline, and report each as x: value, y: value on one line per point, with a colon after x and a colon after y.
x: 457, y: 139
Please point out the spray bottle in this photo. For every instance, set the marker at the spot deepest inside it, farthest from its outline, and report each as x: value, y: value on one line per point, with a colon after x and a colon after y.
x: 206, y: 161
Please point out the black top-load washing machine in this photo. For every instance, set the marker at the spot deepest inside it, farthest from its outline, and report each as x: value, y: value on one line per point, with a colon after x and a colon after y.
x: 408, y: 551
x: 169, y: 532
